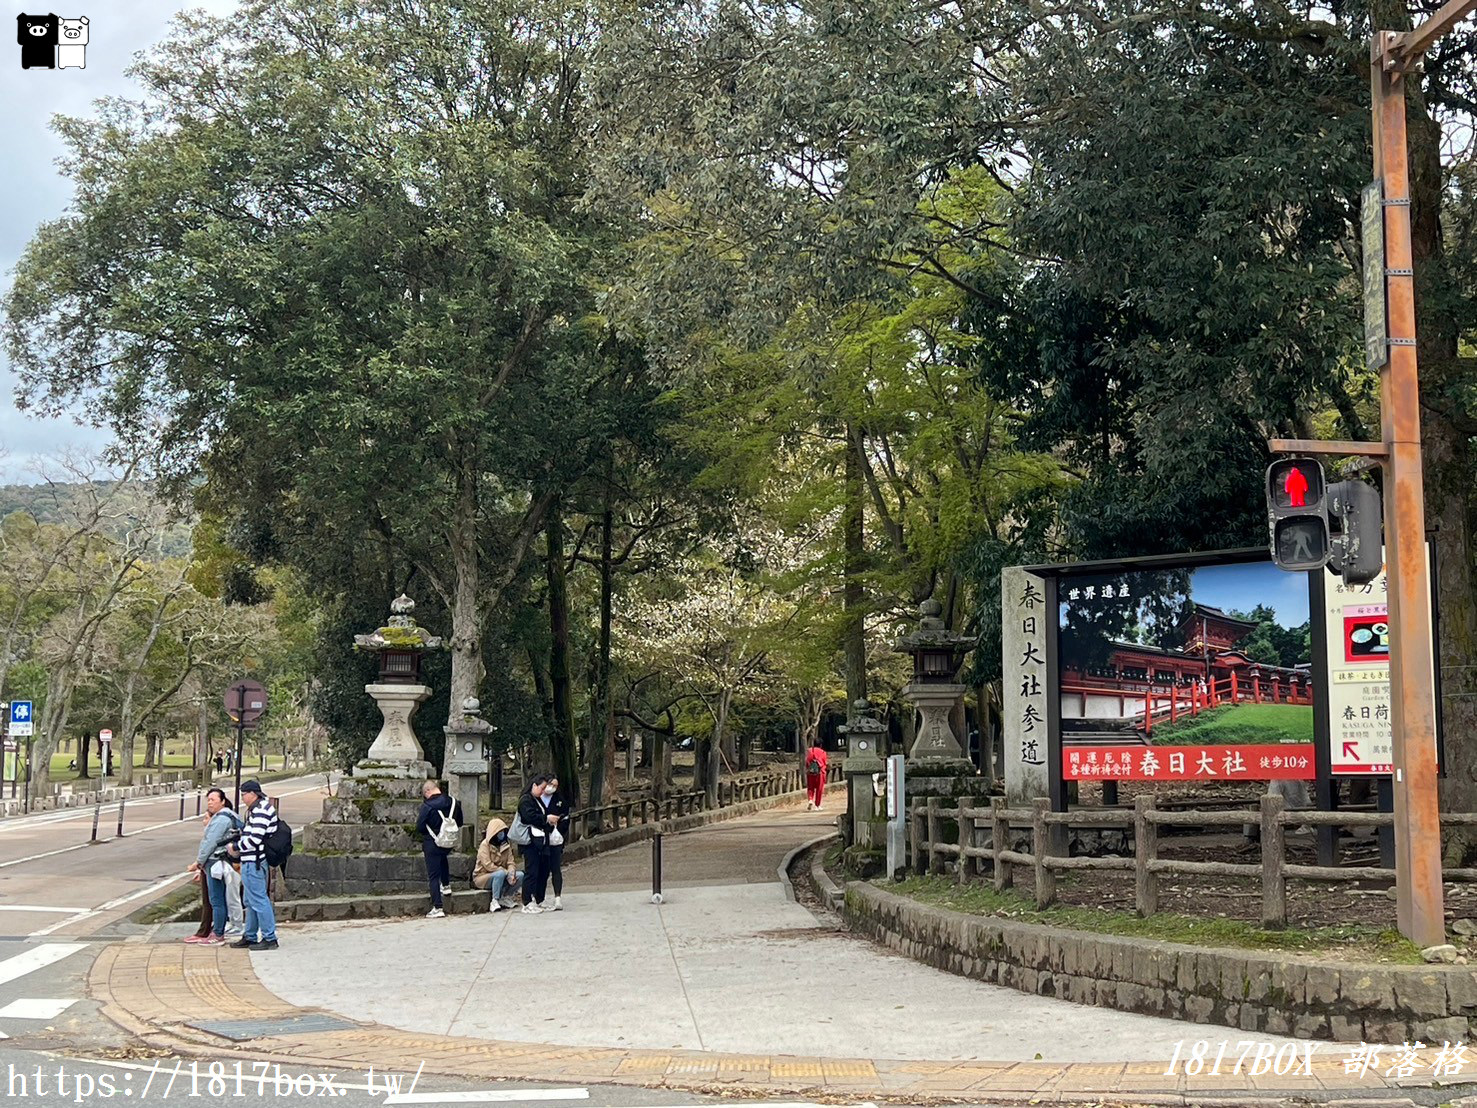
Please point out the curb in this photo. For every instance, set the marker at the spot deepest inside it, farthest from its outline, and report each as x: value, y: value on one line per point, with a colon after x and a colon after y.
x: 832, y: 893
x: 789, y: 860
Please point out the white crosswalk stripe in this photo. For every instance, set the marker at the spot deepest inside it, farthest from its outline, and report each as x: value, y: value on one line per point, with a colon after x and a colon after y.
x: 35, y: 1008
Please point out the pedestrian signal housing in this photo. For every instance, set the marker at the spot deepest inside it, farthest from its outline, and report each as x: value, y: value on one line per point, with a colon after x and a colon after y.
x: 1297, y: 514
x: 1356, y: 524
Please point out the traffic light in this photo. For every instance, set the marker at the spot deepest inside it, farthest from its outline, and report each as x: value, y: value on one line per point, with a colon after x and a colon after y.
x: 1356, y: 519
x: 1297, y: 513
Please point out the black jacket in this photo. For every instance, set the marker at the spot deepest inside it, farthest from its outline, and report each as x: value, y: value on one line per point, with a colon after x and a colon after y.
x: 436, y: 808
x: 531, y: 812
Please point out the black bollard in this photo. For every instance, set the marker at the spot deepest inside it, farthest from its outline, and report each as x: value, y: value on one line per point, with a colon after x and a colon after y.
x: 120, y: 819
x: 97, y: 811
x: 656, y: 868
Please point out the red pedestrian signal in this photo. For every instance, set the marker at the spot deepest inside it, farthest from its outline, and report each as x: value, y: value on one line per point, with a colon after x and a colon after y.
x: 1297, y: 514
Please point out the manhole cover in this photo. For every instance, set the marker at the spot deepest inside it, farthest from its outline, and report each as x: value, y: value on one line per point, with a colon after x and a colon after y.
x: 242, y: 1030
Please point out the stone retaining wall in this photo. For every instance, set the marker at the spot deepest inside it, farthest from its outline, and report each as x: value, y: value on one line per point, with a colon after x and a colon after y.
x: 1254, y: 992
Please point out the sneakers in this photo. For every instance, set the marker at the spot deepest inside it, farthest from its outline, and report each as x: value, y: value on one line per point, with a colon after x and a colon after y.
x: 445, y: 890
x: 496, y: 907
x: 509, y: 902
x: 267, y: 944
x: 532, y: 909
x: 196, y: 938
x: 557, y: 906
x: 810, y: 805
x: 436, y: 913
x: 213, y: 940
x: 243, y: 943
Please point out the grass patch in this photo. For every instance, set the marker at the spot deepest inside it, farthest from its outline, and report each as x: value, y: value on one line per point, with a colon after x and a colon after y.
x: 1241, y: 723
x: 167, y: 907
x: 1345, y: 942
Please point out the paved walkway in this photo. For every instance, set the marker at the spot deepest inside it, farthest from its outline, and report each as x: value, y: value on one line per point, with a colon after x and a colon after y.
x: 727, y: 982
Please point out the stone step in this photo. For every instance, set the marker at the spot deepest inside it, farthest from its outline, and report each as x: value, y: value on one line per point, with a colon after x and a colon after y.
x: 328, y: 908
x: 318, y: 875
x: 360, y: 838
x: 363, y: 809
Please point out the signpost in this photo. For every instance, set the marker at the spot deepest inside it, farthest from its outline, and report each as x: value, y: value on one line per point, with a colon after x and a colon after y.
x: 897, y: 815
x: 105, y: 742
x: 245, y: 702
x: 1391, y: 343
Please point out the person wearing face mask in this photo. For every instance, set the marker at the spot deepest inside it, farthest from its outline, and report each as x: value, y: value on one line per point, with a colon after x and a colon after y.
x: 496, y: 868
x: 531, y: 814
x: 555, y: 805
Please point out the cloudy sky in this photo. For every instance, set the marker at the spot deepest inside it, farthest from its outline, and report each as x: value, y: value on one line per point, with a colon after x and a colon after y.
x: 33, y: 191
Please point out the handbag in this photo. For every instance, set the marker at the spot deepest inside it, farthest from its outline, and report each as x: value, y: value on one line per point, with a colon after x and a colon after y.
x: 555, y: 838
x: 520, y: 833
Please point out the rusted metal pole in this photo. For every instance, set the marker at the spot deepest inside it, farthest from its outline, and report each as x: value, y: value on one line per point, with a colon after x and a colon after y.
x: 1419, y: 895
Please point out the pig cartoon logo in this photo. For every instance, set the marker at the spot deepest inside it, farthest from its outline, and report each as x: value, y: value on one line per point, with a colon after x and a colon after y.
x: 37, y: 35
x: 71, y: 50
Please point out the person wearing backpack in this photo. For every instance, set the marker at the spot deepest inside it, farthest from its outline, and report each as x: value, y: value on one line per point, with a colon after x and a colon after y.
x: 440, y: 824
x: 251, y: 848
x: 816, y: 762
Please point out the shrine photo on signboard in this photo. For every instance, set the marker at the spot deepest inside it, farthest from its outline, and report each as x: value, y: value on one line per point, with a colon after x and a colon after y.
x: 1186, y: 674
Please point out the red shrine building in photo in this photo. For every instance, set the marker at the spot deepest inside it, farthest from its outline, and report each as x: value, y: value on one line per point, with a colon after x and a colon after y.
x: 1152, y: 684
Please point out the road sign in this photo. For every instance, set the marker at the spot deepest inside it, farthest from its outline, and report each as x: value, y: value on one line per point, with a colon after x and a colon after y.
x: 20, y: 717
x: 245, y: 701
x: 1372, y: 221
x: 105, y: 736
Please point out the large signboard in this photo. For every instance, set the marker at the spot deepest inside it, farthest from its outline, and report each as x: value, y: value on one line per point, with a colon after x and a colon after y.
x: 1185, y: 673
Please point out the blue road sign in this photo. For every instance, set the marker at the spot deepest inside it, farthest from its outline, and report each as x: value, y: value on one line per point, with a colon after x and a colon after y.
x: 20, y: 717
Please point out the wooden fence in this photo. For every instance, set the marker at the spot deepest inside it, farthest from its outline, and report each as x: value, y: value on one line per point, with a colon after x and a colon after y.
x: 929, y: 848
x: 736, y: 790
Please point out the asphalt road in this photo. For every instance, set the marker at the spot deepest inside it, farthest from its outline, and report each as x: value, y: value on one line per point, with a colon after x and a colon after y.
x: 56, y: 883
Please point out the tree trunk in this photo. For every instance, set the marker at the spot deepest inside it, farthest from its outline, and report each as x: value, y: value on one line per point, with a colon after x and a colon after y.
x: 561, y: 734
x: 720, y: 739
x: 853, y: 633
x: 125, y: 751
x: 466, y: 616
x: 602, y: 730
x: 84, y: 748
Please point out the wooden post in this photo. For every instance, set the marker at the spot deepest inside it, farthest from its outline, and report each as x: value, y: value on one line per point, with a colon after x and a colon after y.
x: 935, y: 832
x: 1148, y: 708
x: 1256, y: 687
x: 1040, y: 844
x: 1145, y: 850
x: 914, y: 823
x: 1235, y: 692
x: 966, y: 838
x: 1274, y: 883
x: 1174, y: 703
x: 999, y: 837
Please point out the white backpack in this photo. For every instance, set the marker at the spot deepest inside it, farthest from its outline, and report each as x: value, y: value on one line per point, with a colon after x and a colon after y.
x: 449, y: 834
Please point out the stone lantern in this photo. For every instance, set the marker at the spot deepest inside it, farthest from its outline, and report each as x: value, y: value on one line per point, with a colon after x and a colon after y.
x: 467, y: 739
x: 399, y: 691
x: 937, y: 654
x: 864, y: 732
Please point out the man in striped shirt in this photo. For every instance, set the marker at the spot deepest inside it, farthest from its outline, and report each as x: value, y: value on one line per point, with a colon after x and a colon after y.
x: 261, y: 821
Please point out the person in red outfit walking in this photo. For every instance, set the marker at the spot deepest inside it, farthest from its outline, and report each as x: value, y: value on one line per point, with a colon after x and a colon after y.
x: 815, y: 775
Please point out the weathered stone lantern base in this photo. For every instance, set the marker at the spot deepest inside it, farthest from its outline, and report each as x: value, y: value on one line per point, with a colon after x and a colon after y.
x: 366, y: 843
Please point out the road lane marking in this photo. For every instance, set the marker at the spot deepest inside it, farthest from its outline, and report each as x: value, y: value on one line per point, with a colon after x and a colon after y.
x: 35, y: 1008
x: 37, y: 908
x: 88, y: 913
x: 488, y: 1096
x: 38, y: 957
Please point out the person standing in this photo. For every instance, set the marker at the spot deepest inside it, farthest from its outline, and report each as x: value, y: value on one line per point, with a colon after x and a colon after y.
x: 436, y: 808
x: 557, y: 806
x: 220, y: 763
x: 220, y: 822
x: 261, y: 821
x: 496, y: 868
x: 816, y: 762
x: 535, y: 854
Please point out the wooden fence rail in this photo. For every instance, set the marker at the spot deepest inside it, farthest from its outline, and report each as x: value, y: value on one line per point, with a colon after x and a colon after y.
x: 928, y: 848
x: 736, y: 790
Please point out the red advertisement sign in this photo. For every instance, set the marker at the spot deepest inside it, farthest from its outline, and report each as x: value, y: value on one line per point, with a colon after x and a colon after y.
x: 1253, y: 762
